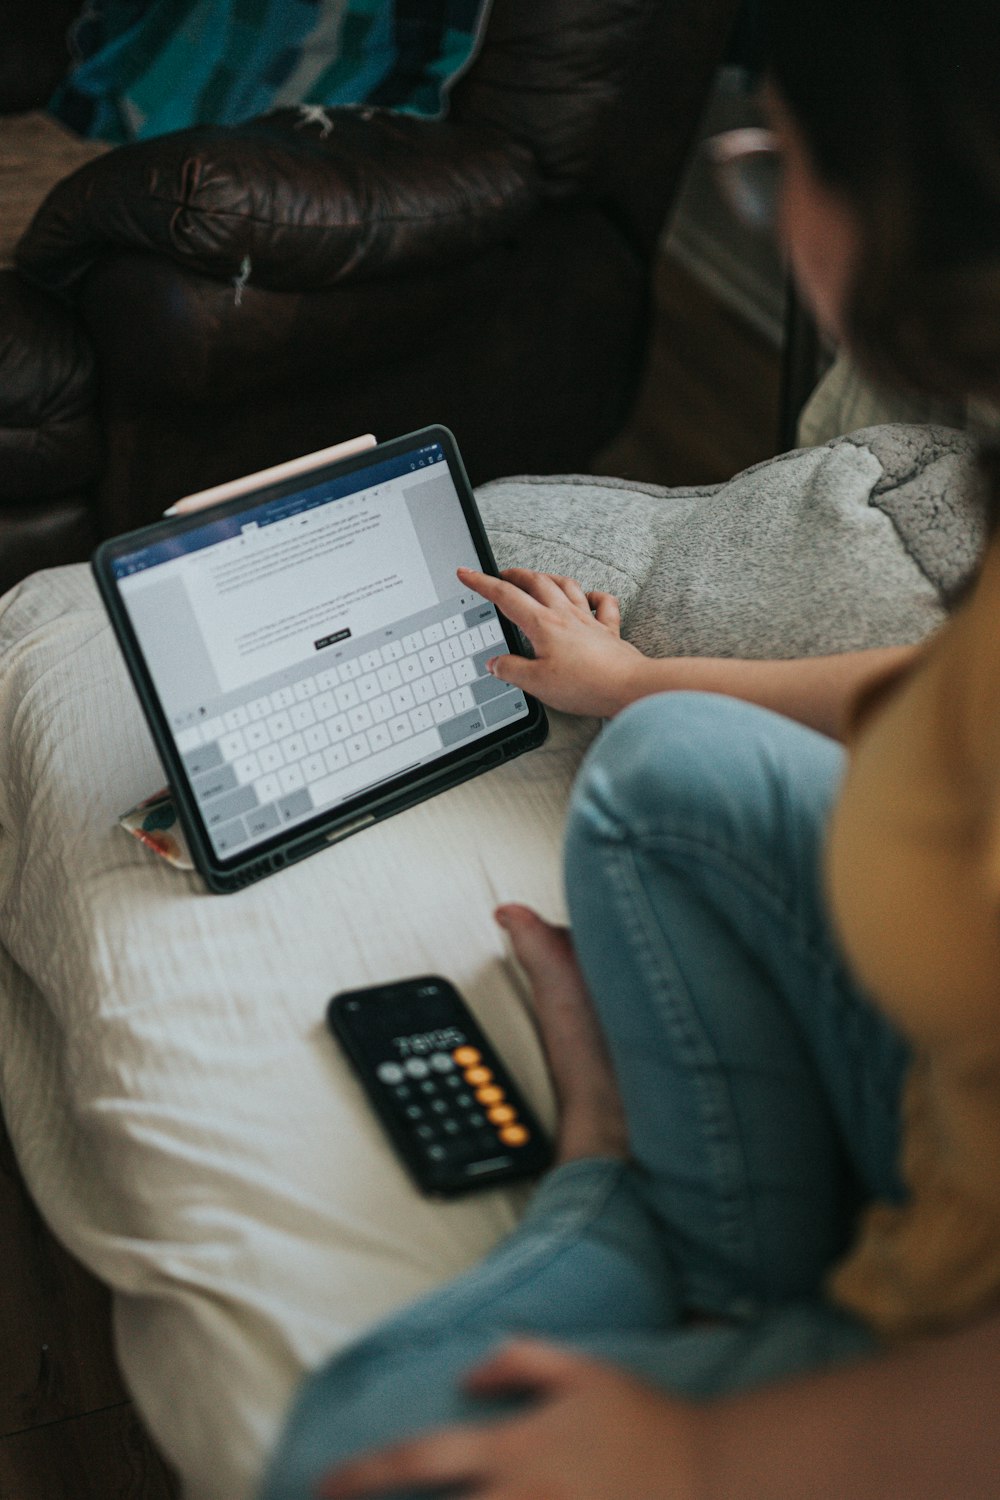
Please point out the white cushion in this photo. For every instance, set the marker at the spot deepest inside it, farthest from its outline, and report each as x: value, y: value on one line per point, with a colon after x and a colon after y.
x: 183, y: 1119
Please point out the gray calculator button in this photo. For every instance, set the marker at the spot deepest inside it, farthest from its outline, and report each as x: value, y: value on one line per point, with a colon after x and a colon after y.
x: 230, y: 836
x: 205, y: 758
x: 485, y: 688
x: 441, y: 1062
x: 455, y: 730
x: 416, y: 1067
x: 390, y: 1072
x: 243, y: 800
x: 214, y: 783
x: 294, y: 805
x: 263, y: 820
x: 503, y: 708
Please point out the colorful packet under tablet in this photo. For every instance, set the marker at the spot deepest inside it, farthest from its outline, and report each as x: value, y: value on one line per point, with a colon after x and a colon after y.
x: 154, y: 823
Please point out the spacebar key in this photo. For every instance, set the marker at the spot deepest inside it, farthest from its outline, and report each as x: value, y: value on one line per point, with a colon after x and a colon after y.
x: 343, y: 784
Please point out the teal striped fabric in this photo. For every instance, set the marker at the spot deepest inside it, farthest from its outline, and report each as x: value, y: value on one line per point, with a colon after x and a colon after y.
x: 144, y: 67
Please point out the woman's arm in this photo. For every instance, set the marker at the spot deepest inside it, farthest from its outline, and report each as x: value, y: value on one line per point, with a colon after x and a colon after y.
x: 582, y: 666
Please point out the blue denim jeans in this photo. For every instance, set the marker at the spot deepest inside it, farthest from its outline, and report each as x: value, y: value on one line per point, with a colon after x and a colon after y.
x: 762, y: 1092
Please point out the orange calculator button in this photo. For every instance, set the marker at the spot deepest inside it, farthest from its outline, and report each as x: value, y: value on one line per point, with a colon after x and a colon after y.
x: 478, y: 1075
x: 490, y: 1094
x: 501, y: 1114
x: 467, y: 1057
x: 513, y: 1135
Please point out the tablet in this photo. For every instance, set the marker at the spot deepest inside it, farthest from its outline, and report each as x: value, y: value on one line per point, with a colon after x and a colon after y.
x: 306, y: 658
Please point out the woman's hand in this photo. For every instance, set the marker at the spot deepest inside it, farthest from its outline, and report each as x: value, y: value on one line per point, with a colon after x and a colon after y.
x: 581, y: 665
x: 594, y: 1433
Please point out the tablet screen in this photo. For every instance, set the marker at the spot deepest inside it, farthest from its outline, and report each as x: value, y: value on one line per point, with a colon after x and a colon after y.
x: 316, y: 644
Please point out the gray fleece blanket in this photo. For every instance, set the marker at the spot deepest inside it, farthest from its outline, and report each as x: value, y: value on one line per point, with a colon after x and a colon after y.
x: 858, y: 543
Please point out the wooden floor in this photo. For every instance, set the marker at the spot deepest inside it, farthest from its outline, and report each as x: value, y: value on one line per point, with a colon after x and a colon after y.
x: 67, y: 1429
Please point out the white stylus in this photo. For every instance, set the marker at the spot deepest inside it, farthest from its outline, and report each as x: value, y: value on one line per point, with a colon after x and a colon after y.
x: 264, y: 477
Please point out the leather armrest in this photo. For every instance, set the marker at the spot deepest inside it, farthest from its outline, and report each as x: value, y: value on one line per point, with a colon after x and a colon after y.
x: 295, y: 200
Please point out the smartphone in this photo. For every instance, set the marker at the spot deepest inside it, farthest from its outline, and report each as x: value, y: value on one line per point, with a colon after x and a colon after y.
x: 446, y: 1101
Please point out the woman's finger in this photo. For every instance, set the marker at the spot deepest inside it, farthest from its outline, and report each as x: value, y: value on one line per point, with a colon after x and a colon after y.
x: 519, y: 671
x: 572, y: 589
x: 508, y: 598
x: 455, y: 1455
x: 607, y: 610
x: 527, y: 1365
x: 541, y: 586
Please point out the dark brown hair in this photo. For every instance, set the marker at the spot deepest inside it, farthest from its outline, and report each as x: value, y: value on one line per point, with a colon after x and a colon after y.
x: 899, y: 105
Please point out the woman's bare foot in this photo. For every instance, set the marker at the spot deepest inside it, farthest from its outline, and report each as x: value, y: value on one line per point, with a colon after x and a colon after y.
x: 591, y: 1118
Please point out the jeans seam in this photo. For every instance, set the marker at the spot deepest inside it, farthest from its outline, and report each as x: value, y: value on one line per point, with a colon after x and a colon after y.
x: 529, y: 1261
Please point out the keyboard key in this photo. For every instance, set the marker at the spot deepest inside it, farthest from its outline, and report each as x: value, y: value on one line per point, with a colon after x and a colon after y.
x: 247, y: 768
x: 441, y: 709
x: 451, y: 649
x: 189, y: 739
x: 400, y: 728
x: 445, y: 679
x: 454, y: 625
x: 381, y: 709
x: 324, y: 706
x: 278, y: 725
x: 493, y: 632
x: 257, y: 735
x: 499, y: 709
x: 464, y: 671
x: 230, y: 836
x: 263, y: 820
x: 346, y: 696
x: 360, y: 718
x: 222, y: 809
x: 268, y: 788
x: 413, y: 642
x: 207, y: 758
x: 472, y: 640
x: 402, y: 698
x: 305, y: 688
x: 370, y: 660
x: 433, y: 633
x: 431, y: 659
x: 338, y: 728
x: 313, y: 767
x: 233, y: 745
x: 349, y: 670
x: 211, y: 729
x: 357, y: 747
x: 294, y: 747
x: 335, y: 758
x: 302, y: 715
x: 462, y: 699
x: 423, y: 689
x: 282, y: 697
x: 461, y: 728
x: 236, y: 717
x: 392, y: 651
x: 316, y: 738
x: 421, y: 719
x: 258, y: 709
x: 214, y: 783
x: 290, y: 778
x: 389, y: 677
x: 327, y: 679
x: 485, y: 688
x: 379, y: 738
x: 479, y: 613
x: 295, y: 806
x: 410, y: 668
x: 271, y: 758
x: 368, y: 687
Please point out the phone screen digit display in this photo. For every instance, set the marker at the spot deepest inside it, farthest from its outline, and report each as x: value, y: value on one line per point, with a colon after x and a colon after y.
x: 444, y: 1097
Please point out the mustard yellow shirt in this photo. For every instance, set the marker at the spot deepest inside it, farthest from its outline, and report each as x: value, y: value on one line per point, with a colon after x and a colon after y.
x: 913, y: 871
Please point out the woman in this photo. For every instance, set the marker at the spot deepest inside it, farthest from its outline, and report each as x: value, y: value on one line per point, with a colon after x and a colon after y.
x: 802, y: 1168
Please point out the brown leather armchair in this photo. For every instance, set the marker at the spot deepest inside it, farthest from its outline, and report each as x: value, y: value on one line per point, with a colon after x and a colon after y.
x: 189, y: 308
